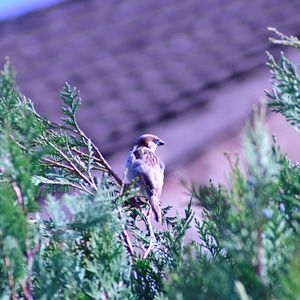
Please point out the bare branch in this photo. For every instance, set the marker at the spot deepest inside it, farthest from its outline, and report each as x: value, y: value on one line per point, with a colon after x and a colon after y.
x: 259, y: 264
x: 73, y: 165
x: 17, y: 192
x: 57, y: 164
x: 100, y: 157
x: 126, y: 240
x: 105, y: 163
x: 11, y: 282
x: 79, y: 187
x: 152, y: 236
x: 27, y: 289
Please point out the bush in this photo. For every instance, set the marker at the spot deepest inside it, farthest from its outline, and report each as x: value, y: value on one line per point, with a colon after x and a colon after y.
x: 98, y: 241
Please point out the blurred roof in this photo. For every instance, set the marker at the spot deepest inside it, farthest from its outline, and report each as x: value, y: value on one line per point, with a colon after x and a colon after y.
x: 139, y: 63
x: 13, y: 8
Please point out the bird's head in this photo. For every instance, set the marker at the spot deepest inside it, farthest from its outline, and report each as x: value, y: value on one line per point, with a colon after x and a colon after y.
x: 150, y: 141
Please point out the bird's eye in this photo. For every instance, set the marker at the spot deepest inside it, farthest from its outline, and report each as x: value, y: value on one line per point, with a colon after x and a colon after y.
x: 156, y: 141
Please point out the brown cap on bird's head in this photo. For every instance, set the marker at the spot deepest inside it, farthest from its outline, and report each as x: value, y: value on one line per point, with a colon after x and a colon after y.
x: 149, y: 140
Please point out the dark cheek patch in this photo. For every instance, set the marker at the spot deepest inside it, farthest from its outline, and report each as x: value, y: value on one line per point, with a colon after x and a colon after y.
x: 137, y: 154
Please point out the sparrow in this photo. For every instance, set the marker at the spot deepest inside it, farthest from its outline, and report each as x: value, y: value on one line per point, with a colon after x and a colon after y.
x: 144, y: 166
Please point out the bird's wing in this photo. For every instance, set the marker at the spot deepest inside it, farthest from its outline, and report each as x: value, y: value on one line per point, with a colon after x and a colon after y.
x: 150, y: 173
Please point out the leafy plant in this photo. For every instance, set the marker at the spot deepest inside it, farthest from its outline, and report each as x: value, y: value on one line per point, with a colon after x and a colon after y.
x: 98, y: 242
x: 249, y: 230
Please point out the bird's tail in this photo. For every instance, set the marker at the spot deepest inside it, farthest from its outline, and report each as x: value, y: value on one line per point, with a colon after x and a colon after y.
x: 155, y: 206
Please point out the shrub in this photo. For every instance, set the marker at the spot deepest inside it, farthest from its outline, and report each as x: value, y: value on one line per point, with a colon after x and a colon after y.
x: 98, y: 241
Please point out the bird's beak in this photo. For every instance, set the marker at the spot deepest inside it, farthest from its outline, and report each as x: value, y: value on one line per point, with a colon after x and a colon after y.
x: 161, y: 143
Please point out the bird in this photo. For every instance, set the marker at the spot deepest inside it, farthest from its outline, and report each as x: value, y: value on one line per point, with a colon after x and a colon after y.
x: 144, y: 166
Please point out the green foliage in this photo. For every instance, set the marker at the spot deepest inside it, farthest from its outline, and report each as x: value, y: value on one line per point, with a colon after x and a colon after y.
x: 98, y: 241
x: 82, y: 254
x: 244, y: 238
x: 202, y: 278
x: 291, y: 278
x: 249, y: 231
x: 285, y: 96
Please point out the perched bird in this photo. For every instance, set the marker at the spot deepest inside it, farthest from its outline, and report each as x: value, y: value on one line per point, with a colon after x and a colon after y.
x: 144, y: 166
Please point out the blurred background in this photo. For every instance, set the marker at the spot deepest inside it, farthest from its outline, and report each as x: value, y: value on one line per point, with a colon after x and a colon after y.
x: 188, y: 71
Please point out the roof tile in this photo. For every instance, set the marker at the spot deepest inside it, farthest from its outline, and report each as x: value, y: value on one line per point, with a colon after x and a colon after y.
x: 139, y: 63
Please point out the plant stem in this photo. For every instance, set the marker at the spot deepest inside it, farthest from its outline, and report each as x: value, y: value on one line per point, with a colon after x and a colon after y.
x: 259, y: 254
x: 11, y: 282
x: 75, y: 169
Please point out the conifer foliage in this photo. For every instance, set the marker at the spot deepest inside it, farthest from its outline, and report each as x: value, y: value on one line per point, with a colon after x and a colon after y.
x: 98, y: 241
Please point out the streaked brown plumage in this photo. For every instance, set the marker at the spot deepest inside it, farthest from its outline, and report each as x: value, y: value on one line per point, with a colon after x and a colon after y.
x: 144, y: 165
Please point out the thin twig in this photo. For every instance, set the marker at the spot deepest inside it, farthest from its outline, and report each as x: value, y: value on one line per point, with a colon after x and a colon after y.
x: 152, y: 236
x: 285, y: 40
x: 52, y: 162
x: 89, y: 161
x: 259, y: 265
x: 96, y: 160
x: 107, y: 166
x: 103, y: 161
x: 73, y: 165
x: 47, y: 160
x: 11, y: 282
x: 57, y: 164
x: 18, y: 193
x: 79, y: 187
x: 84, y: 154
x: 27, y: 289
x: 53, y: 124
x: 127, y: 242
x: 78, y: 130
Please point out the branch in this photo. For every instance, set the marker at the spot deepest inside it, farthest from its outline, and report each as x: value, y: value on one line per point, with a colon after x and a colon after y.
x: 127, y: 242
x: 17, y: 192
x: 152, y: 236
x: 27, y: 289
x: 106, y: 165
x: 79, y: 187
x: 285, y: 40
x: 95, y: 159
x: 11, y: 282
x: 259, y: 265
x: 74, y: 166
x: 103, y: 166
x: 100, y: 158
x: 57, y: 164
x: 72, y: 94
x: 50, y: 123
